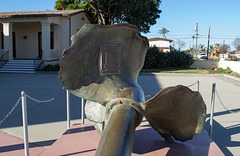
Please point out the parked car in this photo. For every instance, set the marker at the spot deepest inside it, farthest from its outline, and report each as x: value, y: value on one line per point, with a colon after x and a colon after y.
x: 202, y: 56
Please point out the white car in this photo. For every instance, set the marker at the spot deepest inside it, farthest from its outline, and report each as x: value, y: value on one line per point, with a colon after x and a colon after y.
x: 202, y: 56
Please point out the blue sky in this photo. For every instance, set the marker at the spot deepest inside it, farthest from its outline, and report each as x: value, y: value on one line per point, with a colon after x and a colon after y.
x: 181, y: 16
x: 178, y: 16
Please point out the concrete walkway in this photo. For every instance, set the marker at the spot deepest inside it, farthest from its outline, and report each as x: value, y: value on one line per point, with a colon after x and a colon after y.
x: 48, y: 120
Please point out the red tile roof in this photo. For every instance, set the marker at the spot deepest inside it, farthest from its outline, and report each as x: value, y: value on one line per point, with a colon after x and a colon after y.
x: 157, y: 39
x: 47, y: 13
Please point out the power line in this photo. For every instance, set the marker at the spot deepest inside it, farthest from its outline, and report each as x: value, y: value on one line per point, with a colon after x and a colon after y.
x: 223, y: 36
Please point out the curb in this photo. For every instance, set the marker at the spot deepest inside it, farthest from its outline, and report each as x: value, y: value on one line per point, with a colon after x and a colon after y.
x: 179, y: 74
x: 232, y: 77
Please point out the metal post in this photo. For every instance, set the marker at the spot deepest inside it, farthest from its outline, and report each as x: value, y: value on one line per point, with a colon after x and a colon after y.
x: 196, y: 28
x: 82, y: 111
x: 25, y: 123
x: 197, y: 86
x: 212, y: 109
x: 68, y: 109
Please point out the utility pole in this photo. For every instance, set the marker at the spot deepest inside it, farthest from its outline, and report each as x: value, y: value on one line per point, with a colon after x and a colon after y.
x: 193, y: 37
x: 196, y: 28
x: 208, y: 42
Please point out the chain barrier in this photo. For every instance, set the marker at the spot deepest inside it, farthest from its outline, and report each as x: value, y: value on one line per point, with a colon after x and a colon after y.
x: 18, y: 101
x: 10, y: 112
x: 45, y: 101
x: 222, y: 102
x: 149, y: 96
x: 192, y: 84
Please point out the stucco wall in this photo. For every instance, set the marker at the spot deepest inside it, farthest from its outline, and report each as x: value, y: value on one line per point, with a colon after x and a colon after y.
x: 1, y: 52
x: 233, y: 65
x: 26, y: 48
x: 1, y: 30
x: 77, y: 22
x: 159, y: 43
x: 209, y: 64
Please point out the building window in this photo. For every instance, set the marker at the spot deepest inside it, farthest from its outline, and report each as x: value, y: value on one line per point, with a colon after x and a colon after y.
x: 51, y: 41
x: 2, y: 40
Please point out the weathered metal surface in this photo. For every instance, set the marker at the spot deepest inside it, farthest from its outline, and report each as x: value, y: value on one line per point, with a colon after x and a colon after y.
x: 176, y: 111
x: 102, y: 66
x: 95, y: 113
x: 79, y: 67
x: 118, y: 135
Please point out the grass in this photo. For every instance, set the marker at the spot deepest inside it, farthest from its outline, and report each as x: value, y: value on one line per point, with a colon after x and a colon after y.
x: 235, y: 74
x: 195, y: 71
x: 50, y: 68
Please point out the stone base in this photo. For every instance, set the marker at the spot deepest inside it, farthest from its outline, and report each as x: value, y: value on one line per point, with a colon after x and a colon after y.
x: 82, y: 140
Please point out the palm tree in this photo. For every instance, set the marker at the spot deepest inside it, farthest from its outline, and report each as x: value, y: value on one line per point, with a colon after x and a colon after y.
x: 164, y: 31
x: 193, y: 37
x: 211, y: 48
x: 202, y: 48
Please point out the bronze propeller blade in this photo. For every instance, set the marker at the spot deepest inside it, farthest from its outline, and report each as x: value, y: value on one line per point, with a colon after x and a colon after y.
x: 102, y: 66
x: 176, y: 111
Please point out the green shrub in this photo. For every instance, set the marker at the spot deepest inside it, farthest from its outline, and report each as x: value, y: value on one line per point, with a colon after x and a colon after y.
x: 50, y: 68
x: 228, y: 70
x: 220, y: 70
x: 173, y: 59
x: 151, y: 58
x: 224, y: 71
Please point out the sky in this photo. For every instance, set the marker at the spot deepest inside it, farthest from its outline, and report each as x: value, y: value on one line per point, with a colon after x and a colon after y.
x: 178, y: 16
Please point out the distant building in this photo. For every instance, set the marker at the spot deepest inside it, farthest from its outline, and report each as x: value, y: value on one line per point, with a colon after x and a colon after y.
x: 162, y: 43
x: 237, y: 54
x: 216, y: 50
x: 39, y: 35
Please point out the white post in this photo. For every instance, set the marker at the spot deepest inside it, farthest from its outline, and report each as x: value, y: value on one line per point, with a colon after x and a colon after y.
x: 46, y: 29
x: 82, y: 111
x: 197, y: 86
x: 8, y: 41
x: 25, y: 123
x: 212, y: 109
x: 68, y: 109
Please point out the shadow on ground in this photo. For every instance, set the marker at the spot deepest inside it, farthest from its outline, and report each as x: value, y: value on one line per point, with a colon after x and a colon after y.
x: 222, y: 135
x: 45, y: 87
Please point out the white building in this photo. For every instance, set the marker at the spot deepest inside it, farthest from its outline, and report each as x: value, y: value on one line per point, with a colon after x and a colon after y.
x: 162, y: 43
x: 39, y: 35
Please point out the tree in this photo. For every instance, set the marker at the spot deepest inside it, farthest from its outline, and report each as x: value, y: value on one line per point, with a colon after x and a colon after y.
x: 67, y: 4
x: 224, y: 48
x: 77, y: 4
x: 180, y: 44
x: 236, y: 44
x: 193, y: 38
x: 164, y: 31
x: 202, y: 48
x: 211, y: 48
x: 142, y: 13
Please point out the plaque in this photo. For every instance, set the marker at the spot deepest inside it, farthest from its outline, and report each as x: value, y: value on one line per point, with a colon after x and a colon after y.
x: 110, y: 59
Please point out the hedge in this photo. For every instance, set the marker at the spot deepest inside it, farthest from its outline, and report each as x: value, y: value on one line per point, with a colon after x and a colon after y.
x: 173, y: 59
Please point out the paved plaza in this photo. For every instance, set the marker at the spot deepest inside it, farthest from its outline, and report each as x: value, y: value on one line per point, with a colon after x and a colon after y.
x: 47, y: 121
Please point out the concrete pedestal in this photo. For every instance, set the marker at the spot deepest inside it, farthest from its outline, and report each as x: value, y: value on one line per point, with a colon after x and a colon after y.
x: 82, y: 140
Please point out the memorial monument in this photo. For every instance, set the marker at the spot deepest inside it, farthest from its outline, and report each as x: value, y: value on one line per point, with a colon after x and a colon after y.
x: 102, y: 66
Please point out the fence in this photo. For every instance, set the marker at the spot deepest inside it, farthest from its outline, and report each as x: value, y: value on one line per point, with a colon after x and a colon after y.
x: 24, y: 97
